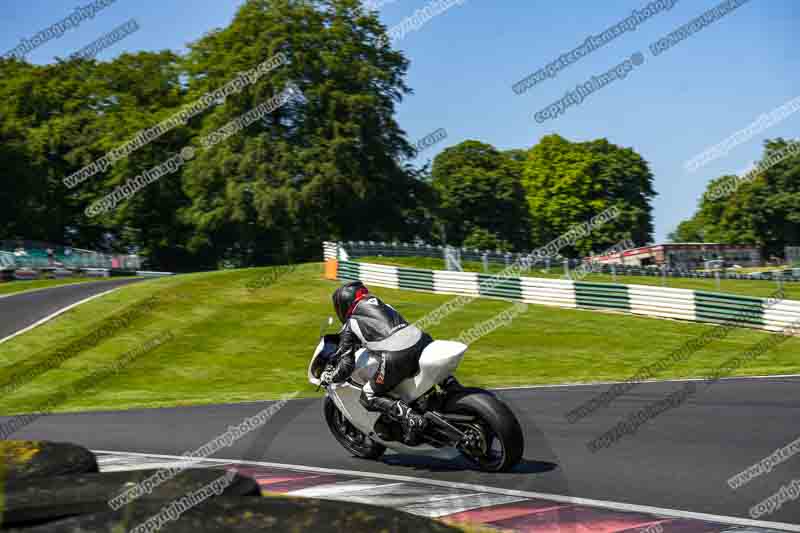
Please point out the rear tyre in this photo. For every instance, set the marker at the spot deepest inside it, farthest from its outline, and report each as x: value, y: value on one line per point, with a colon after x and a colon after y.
x: 496, y: 440
x: 351, y: 438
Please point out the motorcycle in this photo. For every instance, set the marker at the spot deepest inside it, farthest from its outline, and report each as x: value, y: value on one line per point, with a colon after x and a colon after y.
x: 471, y: 420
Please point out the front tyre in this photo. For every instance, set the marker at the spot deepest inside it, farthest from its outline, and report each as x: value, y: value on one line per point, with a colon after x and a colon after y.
x: 495, y: 441
x: 351, y: 438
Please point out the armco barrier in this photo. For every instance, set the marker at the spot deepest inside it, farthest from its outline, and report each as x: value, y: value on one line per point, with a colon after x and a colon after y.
x: 658, y: 302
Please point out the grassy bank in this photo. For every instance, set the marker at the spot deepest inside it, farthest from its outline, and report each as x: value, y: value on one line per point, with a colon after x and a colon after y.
x: 220, y: 340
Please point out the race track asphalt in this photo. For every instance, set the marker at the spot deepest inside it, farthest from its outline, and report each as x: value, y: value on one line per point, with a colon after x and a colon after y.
x: 682, y: 459
x: 19, y: 311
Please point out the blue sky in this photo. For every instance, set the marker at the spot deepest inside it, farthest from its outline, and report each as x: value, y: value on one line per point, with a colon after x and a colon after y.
x: 464, y: 61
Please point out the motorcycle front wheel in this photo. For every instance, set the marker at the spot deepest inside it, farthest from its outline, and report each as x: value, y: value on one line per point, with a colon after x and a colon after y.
x: 351, y: 438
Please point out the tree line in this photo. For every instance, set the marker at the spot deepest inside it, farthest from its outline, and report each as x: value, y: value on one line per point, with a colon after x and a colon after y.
x: 761, y: 207
x: 332, y: 164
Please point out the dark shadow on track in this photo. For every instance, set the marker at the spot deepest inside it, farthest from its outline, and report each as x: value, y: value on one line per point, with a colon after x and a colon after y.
x: 458, y: 464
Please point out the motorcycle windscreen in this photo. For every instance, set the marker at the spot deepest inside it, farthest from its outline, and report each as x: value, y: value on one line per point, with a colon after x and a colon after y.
x: 322, y: 356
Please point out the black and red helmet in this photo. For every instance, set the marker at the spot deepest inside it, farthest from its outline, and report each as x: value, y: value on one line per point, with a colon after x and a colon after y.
x: 346, y: 297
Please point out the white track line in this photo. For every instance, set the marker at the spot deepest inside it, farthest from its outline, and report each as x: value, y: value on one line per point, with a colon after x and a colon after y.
x: 446, y: 506
x: 54, y: 315
x: 617, y: 506
x: 156, y: 466
x: 340, y: 489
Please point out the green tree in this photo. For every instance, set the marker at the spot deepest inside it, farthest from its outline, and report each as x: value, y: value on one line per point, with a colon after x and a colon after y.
x: 482, y: 239
x: 47, y: 114
x: 321, y: 166
x: 480, y: 196
x: 764, y: 211
x: 57, y: 118
x: 141, y: 90
x: 568, y: 183
x: 324, y: 166
x: 691, y: 230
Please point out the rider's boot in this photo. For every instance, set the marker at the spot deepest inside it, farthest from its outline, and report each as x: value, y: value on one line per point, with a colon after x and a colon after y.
x: 413, y: 423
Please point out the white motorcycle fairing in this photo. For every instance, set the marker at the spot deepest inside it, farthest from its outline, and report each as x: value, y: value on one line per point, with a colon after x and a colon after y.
x: 438, y: 361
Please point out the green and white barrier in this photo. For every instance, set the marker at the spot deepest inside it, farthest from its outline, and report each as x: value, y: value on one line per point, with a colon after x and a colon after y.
x: 662, y: 302
x: 659, y: 302
x: 556, y: 292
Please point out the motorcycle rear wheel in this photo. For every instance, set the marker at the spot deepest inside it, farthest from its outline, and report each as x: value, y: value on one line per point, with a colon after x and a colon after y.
x: 351, y: 438
x: 496, y: 427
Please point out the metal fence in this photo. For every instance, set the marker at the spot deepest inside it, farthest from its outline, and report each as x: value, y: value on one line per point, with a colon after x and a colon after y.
x: 790, y: 274
x: 41, y: 255
x: 356, y: 249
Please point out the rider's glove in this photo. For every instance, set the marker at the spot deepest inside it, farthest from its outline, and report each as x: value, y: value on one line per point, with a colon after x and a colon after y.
x: 344, y: 357
x: 328, y: 376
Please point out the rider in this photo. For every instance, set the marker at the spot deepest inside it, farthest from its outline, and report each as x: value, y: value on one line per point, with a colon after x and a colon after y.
x: 380, y: 329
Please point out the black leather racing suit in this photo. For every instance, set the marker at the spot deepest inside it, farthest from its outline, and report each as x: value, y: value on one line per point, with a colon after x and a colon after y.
x: 382, y: 330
